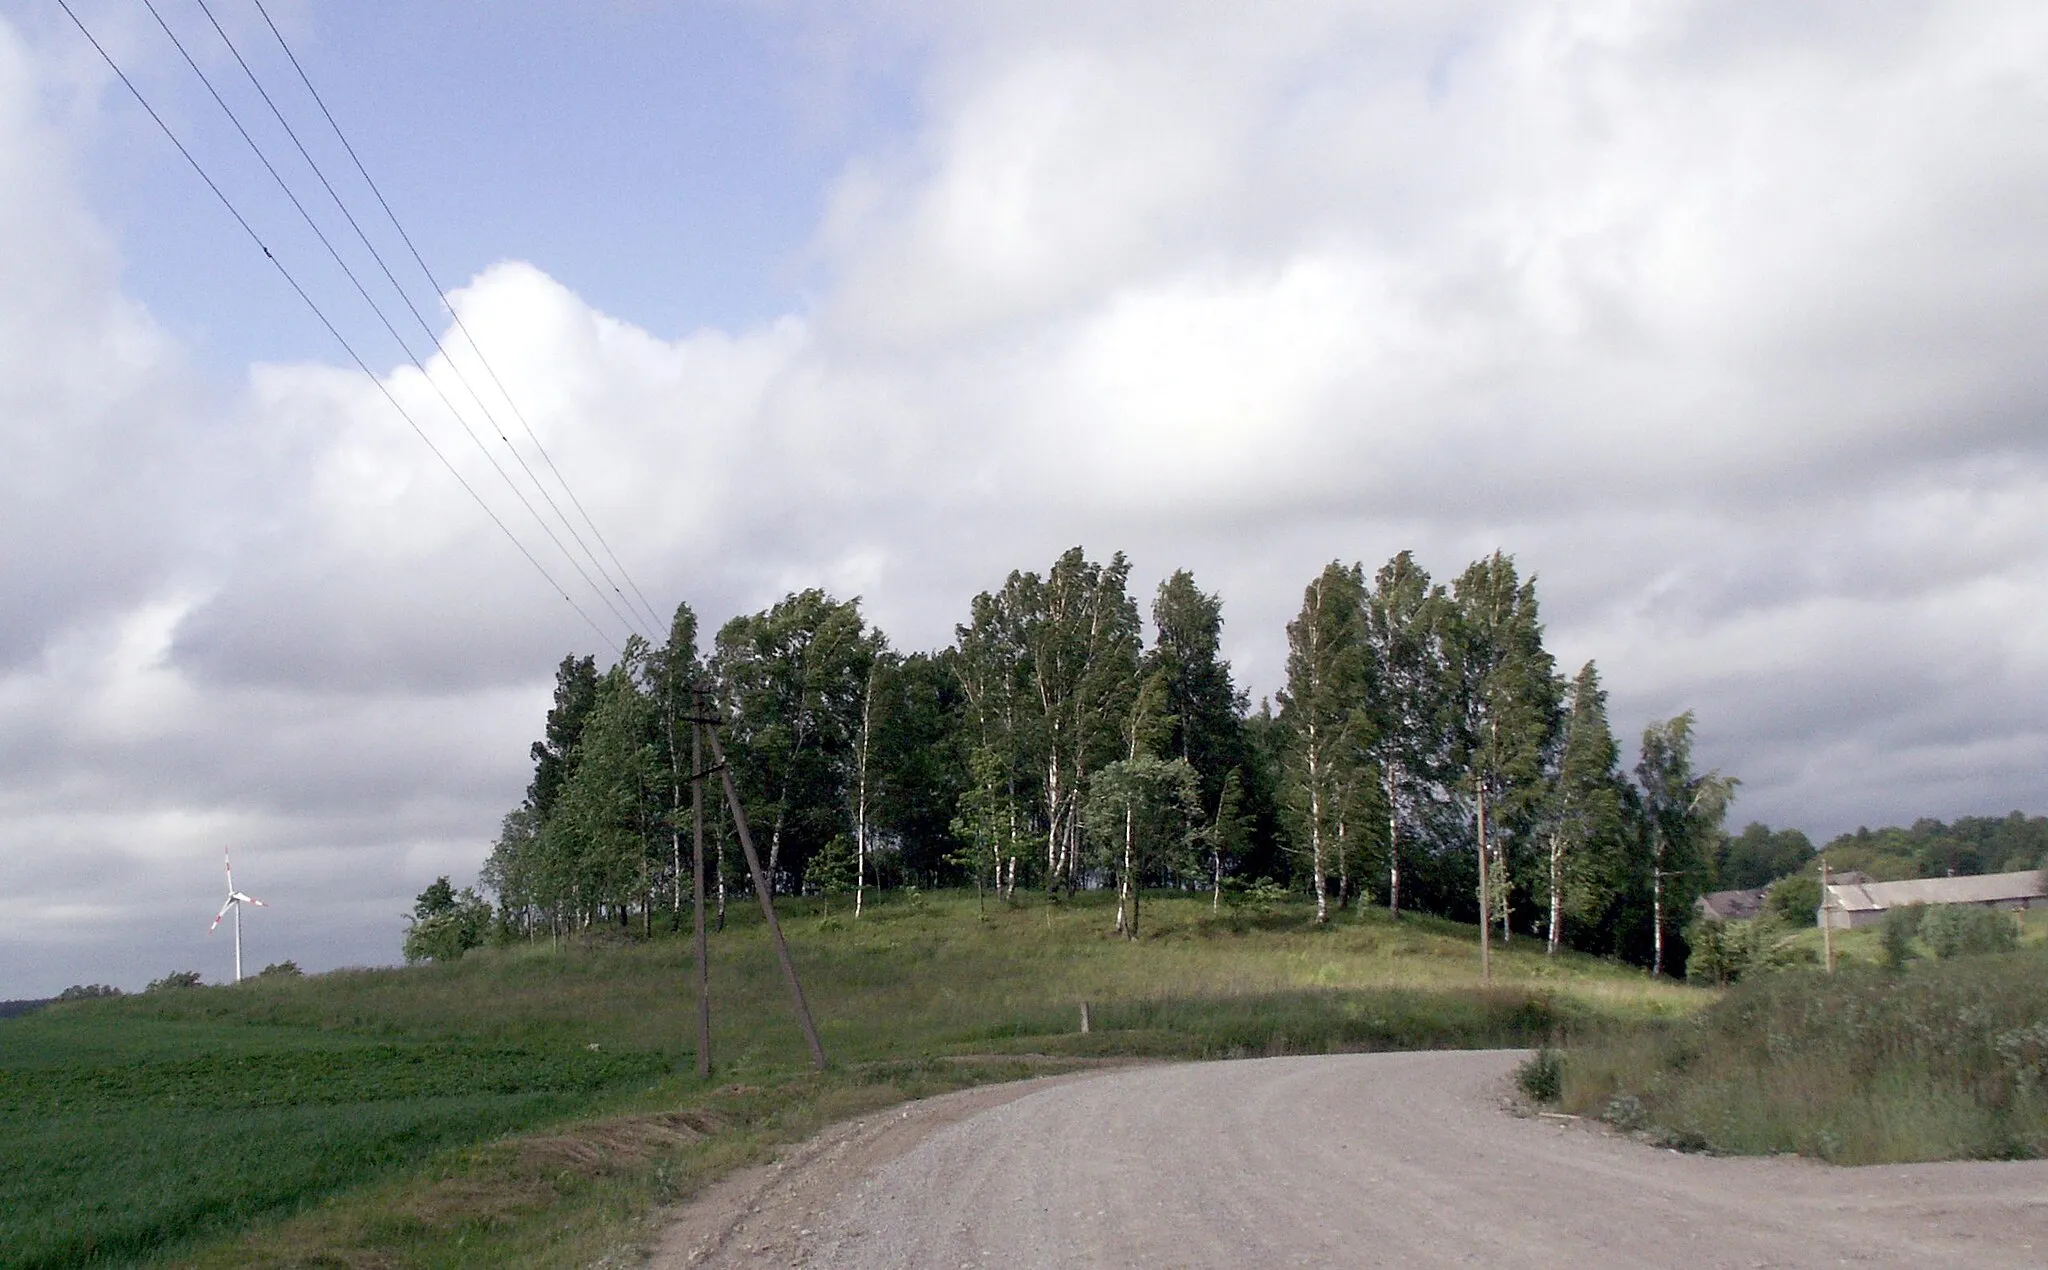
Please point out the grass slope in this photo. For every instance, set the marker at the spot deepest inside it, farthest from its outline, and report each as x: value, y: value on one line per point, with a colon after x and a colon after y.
x: 533, y: 1104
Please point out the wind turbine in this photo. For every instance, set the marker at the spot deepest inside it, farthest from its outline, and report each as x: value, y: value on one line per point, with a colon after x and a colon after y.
x: 235, y: 901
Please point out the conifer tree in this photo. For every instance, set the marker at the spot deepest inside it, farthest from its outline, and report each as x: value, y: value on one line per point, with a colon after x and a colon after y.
x: 1203, y: 711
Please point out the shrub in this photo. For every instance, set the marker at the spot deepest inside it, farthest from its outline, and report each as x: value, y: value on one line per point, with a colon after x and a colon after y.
x: 1896, y: 935
x: 830, y: 872
x: 1625, y: 1112
x: 1795, y: 899
x: 1542, y: 1076
x: 446, y: 924
x: 1964, y: 930
x: 1718, y: 952
x: 1260, y: 896
x: 281, y: 970
x: 176, y: 979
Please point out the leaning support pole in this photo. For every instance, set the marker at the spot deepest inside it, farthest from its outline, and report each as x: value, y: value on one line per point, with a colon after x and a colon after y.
x: 739, y: 821
x: 697, y: 900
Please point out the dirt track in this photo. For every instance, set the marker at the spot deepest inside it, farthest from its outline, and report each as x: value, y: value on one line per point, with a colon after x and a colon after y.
x: 1349, y: 1160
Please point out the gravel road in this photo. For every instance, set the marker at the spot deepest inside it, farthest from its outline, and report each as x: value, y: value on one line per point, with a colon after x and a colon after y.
x: 1345, y: 1160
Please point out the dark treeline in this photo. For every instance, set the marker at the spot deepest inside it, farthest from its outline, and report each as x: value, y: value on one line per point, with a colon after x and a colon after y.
x: 1927, y: 848
x: 1426, y: 754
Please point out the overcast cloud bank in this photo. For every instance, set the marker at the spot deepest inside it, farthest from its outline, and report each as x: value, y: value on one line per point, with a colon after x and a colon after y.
x: 1726, y: 324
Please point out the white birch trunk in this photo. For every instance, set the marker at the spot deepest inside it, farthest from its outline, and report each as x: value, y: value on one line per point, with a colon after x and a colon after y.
x: 1556, y: 931
x: 1485, y: 892
x: 1130, y: 882
x: 860, y: 816
x: 1393, y: 847
x: 1657, y: 905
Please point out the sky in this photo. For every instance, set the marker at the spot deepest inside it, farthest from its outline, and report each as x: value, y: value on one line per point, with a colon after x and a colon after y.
x: 1723, y: 319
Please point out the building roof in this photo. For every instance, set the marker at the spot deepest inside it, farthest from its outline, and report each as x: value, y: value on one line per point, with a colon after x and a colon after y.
x: 1732, y: 906
x: 1986, y: 888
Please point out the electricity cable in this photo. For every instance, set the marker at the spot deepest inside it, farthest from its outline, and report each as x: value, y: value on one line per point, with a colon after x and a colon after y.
x: 318, y: 313
x: 405, y: 298
x: 378, y: 310
x: 439, y: 290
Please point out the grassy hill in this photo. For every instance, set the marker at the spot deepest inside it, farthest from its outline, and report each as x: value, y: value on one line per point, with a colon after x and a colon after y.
x: 532, y: 1105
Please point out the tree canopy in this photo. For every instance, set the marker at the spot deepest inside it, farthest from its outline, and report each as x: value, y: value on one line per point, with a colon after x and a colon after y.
x: 1424, y: 739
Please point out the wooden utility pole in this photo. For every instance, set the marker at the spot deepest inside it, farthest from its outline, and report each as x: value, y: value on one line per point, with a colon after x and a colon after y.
x: 739, y: 821
x: 697, y: 887
x: 1827, y: 918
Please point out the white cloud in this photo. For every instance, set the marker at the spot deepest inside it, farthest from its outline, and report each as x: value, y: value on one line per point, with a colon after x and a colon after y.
x: 1725, y: 322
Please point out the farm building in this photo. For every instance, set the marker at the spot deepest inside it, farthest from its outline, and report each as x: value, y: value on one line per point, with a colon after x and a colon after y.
x: 1853, y: 904
x: 1732, y: 906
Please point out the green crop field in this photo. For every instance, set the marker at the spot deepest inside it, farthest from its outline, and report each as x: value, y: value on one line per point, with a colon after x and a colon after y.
x: 535, y: 1104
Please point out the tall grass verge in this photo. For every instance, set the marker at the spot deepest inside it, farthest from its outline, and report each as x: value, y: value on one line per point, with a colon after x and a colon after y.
x: 1945, y: 1061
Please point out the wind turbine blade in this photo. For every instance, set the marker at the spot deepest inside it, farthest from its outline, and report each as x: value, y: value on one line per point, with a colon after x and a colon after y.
x: 250, y: 899
x: 228, y: 860
x: 223, y: 913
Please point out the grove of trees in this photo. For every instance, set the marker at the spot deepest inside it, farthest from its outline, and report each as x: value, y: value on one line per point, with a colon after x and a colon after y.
x: 1426, y: 753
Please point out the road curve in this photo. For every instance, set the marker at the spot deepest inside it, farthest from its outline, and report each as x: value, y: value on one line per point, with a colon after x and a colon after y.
x: 1343, y: 1160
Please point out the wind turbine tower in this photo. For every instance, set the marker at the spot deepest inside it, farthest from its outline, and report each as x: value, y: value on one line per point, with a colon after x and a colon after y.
x: 235, y: 901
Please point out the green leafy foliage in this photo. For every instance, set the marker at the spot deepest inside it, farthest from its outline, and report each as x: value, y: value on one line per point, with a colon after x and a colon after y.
x: 1682, y: 812
x: 1796, y: 899
x: 1897, y: 932
x: 1929, y: 848
x: 174, y: 981
x: 831, y: 871
x: 445, y: 924
x: 1759, y: 856
x: 1967, y: 930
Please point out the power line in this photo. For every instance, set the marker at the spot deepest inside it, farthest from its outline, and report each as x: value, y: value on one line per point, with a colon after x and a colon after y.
x: 378, y: 310
x: 460, y: 325
x: 405, y: 298
x: 293, y: 282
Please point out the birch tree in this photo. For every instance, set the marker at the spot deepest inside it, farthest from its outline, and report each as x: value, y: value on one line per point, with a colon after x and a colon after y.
x: 1320, y: 712
x: 1506, y: 699
x: 1583, y: 821
x: 1682, y: 815
x: 1142, y: 815
x: 1076, y: 635
x: 1402, y: 622
x: 994, y: 672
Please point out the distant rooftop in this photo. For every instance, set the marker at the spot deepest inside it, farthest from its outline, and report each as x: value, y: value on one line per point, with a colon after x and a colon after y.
x: 1733, y: 906
x: 1985, y: 888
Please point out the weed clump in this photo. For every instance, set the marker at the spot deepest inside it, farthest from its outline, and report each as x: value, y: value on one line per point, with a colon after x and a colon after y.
x: 1542, y: 1076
